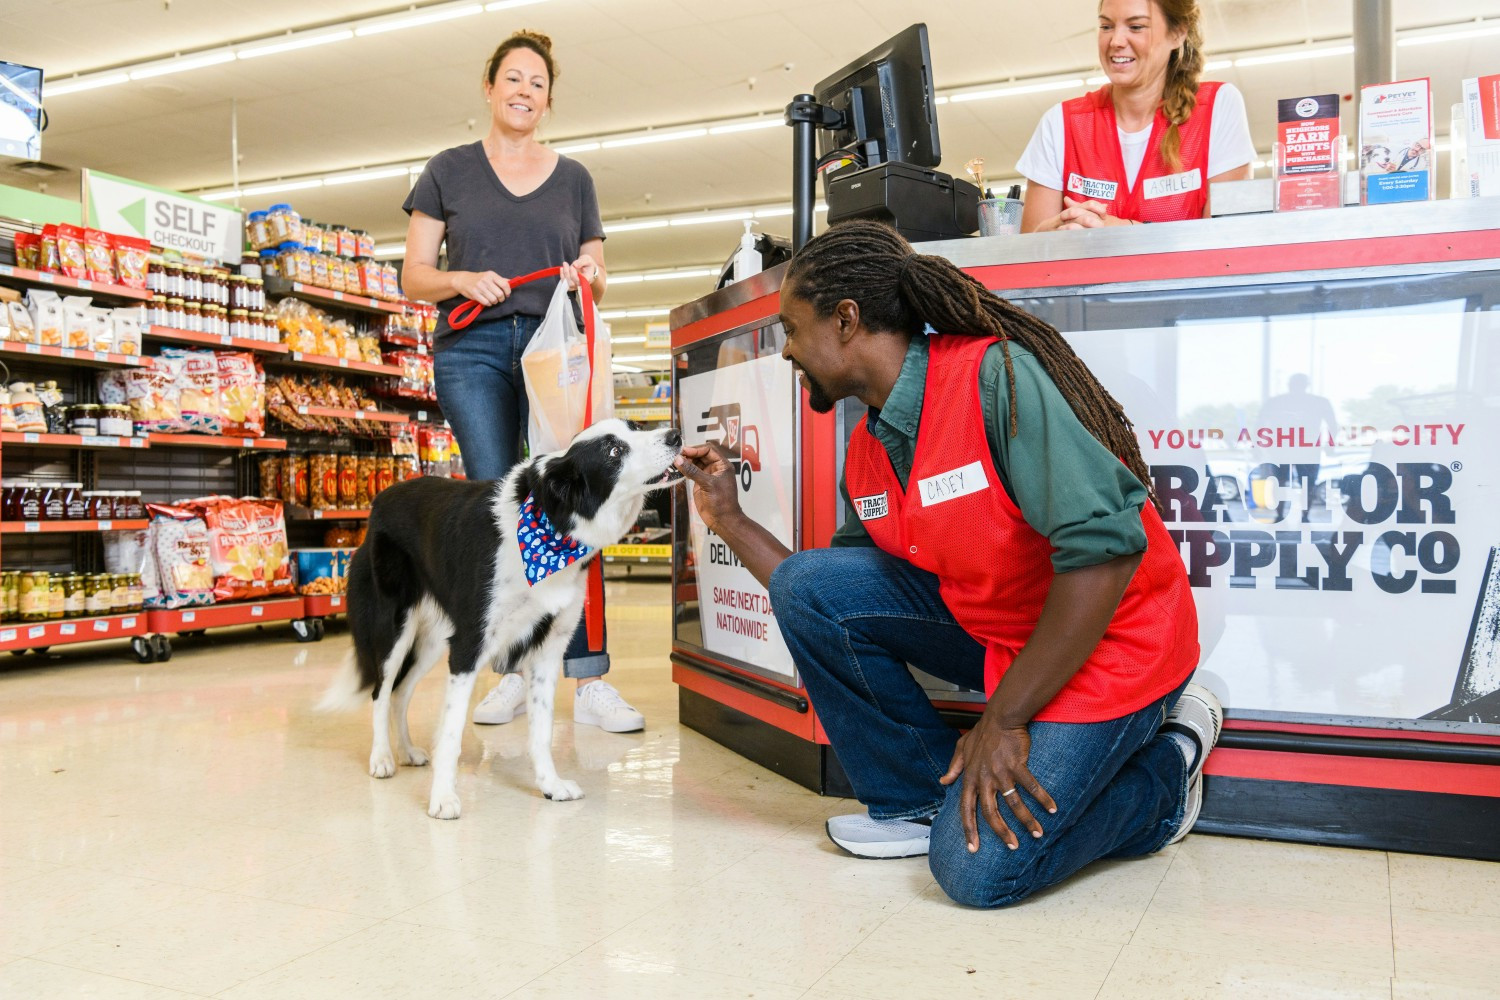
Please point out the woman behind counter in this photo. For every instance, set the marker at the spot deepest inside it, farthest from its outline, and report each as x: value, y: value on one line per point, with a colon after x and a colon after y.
x: 506, y: 206
x: 1146, y: 146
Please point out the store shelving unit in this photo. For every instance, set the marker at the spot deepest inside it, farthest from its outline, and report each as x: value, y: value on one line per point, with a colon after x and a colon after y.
x: 69, y: 527
x: 173, y: 335
x: 382, y: 416
x: 294, y: 513
x: 193, y: 621
x: 277, y: 288
x: 76, y: 355
x: 217, y: 441
x: 18, y: 637
x: 10, y: 274
x: 298, y: 359
x: 25, y: 438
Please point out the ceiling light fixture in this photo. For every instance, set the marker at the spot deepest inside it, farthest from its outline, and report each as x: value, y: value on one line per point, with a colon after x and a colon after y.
x: 750, y: 126
x: 181, y: 65
x: 1295, y: 55
x: 293, y: 44
x: 1476, y: 29
x: 77, y: 85
x: 651, y: 137
x: 1010, y: 91
x: 445, y: 12
x: 378, y: 174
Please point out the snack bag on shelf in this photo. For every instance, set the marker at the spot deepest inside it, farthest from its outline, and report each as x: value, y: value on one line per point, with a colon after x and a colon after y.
x: 318, y: 573
x: 270, y: 468
x: 348, y: 480
x: 26, y: 408
x: 132, y: 260
x: 295, y: 480
x: 242, y: 385
x: 365, y: 486
x: 102, y: 328
x: 46, y: 316
x: 98, y: 256
x: 47, y: 256
x: 385, y: 474
x: 181, y: 543
x: 22, y: 326
x: 155, y: 397
x: 435, y: 449
x: 71, y: 259
x: 323, y: 481
x: 238, y: 532
x: 75, y: 321
x: 133, y: 552
x: 4, y: 321
x: 369, y: 350
x: 202, y: 409
x: 274, y: 547
x: 112, y: 387
x: 28, y: 249
x: 130, y: 324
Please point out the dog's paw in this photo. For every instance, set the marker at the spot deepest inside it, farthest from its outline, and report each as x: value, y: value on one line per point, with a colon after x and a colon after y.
x: 414, y: 757
x: 443, y: 806
x: 382, y: 765
x: 561, y: 790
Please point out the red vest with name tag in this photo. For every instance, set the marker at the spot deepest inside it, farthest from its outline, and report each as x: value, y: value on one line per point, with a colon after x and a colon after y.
x: 1094, y: 167
x: 955, y: 519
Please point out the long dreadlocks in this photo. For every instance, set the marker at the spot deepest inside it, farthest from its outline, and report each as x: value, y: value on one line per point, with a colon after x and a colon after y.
x: 900, y: 291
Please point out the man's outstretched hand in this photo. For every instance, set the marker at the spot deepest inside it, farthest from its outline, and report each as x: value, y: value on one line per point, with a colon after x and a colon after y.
x: 717, y: 493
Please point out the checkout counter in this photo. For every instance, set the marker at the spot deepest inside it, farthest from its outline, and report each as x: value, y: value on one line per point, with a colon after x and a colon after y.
x: 1318, y: 397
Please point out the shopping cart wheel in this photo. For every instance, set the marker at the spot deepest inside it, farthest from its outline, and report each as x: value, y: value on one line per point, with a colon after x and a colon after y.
x: 317, y: 626
x: 140, y: 646
x: 163, y: 647
x: 303, y: 628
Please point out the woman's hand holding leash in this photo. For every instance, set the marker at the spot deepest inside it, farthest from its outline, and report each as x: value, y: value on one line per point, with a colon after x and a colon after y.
x: 585, y: 267
x: 485, y: 287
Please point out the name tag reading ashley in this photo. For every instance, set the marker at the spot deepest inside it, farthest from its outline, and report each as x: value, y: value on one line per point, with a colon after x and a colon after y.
x: 949, y: 485
x: 1164, y: 187
x: 1091, y: 188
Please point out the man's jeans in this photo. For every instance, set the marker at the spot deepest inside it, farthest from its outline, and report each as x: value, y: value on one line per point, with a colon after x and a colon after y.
x: 483, y: 395
x: 854, y: 618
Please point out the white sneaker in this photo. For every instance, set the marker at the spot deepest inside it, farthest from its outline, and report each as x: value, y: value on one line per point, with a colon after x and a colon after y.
x: 1198, y: 716
x: 865, y: 837
x: 505, y: 701
x: 599, y: 704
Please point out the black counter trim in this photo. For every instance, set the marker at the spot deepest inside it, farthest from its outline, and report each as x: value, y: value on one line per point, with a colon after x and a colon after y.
x: 1362, y: 746
x: 751, y: 685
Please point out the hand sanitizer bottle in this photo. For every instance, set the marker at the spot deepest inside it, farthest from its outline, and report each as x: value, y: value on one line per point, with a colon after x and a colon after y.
x: 746, y: 258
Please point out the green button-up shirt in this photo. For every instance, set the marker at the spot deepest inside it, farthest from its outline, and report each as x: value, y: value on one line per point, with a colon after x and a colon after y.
x: 1067, y: 485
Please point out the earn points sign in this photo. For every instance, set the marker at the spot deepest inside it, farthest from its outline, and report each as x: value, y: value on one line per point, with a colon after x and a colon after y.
x: 168, y: 219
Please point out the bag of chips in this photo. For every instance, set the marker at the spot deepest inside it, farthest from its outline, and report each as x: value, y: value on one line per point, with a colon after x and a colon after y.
x: 181, y: 544
x: 155, y: 397
x: 202, y: 409
x: 242, y: 387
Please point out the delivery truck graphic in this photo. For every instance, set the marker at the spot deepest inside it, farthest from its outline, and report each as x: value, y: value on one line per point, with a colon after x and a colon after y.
x: 742, y: 443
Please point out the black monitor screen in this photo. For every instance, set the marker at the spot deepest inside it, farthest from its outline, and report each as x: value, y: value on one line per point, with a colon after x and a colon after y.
x: 886, y: 98
x: 20, y: 111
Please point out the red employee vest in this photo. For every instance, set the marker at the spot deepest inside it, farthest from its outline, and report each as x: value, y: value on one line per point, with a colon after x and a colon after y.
x: 955, y: 519
x: 1094, y: 168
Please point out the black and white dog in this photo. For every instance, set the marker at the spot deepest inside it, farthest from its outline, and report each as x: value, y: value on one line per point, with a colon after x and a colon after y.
x: 494, y: 570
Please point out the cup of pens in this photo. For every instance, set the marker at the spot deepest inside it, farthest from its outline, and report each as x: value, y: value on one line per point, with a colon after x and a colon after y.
x: 999, y: 216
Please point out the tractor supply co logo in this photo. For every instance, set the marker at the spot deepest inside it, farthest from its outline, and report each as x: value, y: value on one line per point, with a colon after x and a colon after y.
x: 1089, y: 187
x: 873, y: 508
x: 1307, y: 107
x: 741, y: 443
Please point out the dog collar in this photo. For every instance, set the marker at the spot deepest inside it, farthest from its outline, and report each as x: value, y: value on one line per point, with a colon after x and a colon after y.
x: 543, y: 550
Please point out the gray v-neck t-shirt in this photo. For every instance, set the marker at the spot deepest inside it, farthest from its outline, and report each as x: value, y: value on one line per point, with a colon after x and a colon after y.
x: 490, y: 229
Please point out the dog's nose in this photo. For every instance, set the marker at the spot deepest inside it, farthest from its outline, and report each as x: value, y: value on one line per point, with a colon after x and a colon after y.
x: 673, y: 438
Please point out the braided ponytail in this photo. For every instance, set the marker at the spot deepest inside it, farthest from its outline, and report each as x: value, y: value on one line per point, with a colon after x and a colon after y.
x: 899, y: 291
x: 1180, y: 95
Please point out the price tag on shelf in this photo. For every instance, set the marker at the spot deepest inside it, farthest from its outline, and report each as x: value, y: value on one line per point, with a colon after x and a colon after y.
x: 32, y: 527
x: 45, y: 277
x: 343, y: 362
x: 7, y: 635
x: 422, y: 350
x: 337, y: 602
x: 137, y: 442
x: 257, y: 611
x: 87, y: 286
x: 101, y: 625
x: 30, y: 437
x: 106, y: 525
x: 101, y: 355
x: 95, y: 441
x: 127, y: 623
x: 69, y: 629
x: 68, y: 352
x: 338, y: 296
x: 33, y: 348
x: 36, y: 631
x: 317, y: 515
x: 302, y: 410
x: 226, y: 339
x: 189, y: 617
x: 421, y: 414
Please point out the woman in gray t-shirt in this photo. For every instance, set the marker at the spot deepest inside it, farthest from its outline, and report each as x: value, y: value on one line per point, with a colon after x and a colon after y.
x: 507, y: 206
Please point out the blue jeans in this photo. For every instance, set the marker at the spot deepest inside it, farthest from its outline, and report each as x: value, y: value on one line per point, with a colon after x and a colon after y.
x: 854, y: 618
x: 483, y: 395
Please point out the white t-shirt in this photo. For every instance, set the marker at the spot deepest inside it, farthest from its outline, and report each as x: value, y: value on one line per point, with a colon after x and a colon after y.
x: 1229, y: 144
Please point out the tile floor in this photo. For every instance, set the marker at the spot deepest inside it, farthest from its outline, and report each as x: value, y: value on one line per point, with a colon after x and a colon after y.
x: 193, y: 829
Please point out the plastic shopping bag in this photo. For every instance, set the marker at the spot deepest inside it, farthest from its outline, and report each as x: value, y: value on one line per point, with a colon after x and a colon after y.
x: 556, y: 366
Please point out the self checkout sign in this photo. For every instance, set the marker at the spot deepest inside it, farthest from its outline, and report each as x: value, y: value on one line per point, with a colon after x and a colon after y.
x: 168, y: 219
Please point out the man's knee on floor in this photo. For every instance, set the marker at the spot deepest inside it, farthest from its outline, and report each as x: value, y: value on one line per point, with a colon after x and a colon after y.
x: 992, y: 878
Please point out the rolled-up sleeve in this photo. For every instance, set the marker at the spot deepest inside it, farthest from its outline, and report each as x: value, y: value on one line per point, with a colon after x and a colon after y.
x: 1067, y: 485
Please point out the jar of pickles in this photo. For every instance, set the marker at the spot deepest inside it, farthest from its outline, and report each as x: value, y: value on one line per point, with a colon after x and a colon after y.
x: 93, y: 600
x: 73, y: 596
x: 34, y: 592
x: 57, y: 600
x: 137, y: 593
x: 121, y: 583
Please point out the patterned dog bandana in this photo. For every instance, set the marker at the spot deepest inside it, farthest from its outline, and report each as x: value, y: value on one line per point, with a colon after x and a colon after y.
x: 543, y: 550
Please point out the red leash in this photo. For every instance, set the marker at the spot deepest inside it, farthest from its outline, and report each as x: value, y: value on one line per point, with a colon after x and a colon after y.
x: 464, y: 314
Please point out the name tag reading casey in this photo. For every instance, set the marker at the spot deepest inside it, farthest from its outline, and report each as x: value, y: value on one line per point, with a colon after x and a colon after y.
x: 949, y: 485
x: 1163, y: 187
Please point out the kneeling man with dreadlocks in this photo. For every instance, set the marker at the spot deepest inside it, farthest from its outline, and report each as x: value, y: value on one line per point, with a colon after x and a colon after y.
x: 1004, y: 537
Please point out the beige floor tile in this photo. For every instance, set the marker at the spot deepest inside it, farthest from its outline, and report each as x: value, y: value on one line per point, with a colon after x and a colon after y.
x: 30, y: 978
x: 16, y: 869
x: 1103, y: 904
x: 1240, y: 865
x: 1143, y: 973
x: 214, y: 857
x: 1457, y: 948
x: 744, y: 935
x: 809, y: 868
x: 370, y: 880
x: 207, y: 945
x: 391, y: 961
x: 1452, y: 885
x: 70, y: 903
x: 913, y: 955
x: 1406, y: 989
x: 1269, y: 927
x: 624, y: 979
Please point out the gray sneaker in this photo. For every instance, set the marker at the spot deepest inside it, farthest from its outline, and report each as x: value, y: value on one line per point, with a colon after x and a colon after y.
x: 1198, y: 716
x: 865, y: 837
